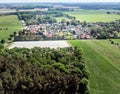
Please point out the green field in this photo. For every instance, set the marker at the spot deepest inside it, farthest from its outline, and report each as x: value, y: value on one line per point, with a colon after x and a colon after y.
x: 12, y: 23
x: 94, y: 15
x: 103, y: 61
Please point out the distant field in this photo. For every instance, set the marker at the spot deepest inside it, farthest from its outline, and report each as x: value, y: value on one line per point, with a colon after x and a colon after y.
x: 11, y: 23
x: 94, y: 15
x: 103, y: 61
x: 7, y: 10
x: 42, y: 44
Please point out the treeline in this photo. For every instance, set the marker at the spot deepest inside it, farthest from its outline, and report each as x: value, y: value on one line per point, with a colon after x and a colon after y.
x: 38, y: 17
x: 41, y: 17
x: 106, y: 30
x: 31, y: 6
x: 43, y: 71
x: 113, y: 12
x: 51, y: 5
x: 95, y: 6
x: 28, y: 36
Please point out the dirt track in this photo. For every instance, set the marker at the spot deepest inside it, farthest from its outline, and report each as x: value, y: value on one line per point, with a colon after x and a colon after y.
x: 42, y: 44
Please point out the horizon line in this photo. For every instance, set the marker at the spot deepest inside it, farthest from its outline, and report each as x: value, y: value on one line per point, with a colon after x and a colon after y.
x: 56, y: 2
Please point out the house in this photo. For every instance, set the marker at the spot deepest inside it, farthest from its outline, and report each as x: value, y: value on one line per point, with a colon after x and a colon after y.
x: 85, y: 36
x: 49, y: 35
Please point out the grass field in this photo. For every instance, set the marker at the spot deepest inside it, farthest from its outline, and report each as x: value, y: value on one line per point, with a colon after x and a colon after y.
x: 103, y: 61
x: 12, y: 23
x: 94, y: 15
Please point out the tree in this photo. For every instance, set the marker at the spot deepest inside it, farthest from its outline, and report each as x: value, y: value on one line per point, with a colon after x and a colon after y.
x: 1, y: 46
x: 3, y: 41
x: 63, y: 21
x: 14, y: 33
x: 84, y: 23
x: 74, y: 22
x: 68, y: 23
x: 9, y: 38
x: 83, y: 86
x: 108, y: 12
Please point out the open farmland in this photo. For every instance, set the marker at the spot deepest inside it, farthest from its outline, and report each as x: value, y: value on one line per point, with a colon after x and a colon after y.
x: 103, y: 61
x: 94, y: 15
x: 42, y: 44
x: 8, y: 25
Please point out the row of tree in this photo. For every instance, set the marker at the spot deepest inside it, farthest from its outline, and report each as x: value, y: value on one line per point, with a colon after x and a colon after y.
x: 11, y: 38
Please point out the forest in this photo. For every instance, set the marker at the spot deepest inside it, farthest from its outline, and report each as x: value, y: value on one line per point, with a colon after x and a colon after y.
x: 43, y: 71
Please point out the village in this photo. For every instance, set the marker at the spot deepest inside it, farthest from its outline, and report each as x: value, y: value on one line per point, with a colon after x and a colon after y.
x: 44, y: 25
x: 57, y: 31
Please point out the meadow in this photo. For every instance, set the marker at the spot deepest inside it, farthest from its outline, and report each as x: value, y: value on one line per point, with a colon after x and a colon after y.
x: 103, y: 61
x: 8, y: 25
x: 94, y: 15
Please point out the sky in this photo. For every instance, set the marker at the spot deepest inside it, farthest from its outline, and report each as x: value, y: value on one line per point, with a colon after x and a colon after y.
x: 24, y: 1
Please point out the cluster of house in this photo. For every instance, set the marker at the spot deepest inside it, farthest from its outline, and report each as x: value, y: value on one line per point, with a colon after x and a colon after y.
x: 81, y: 32
x: 33, y: 28
x: 50, y: 30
